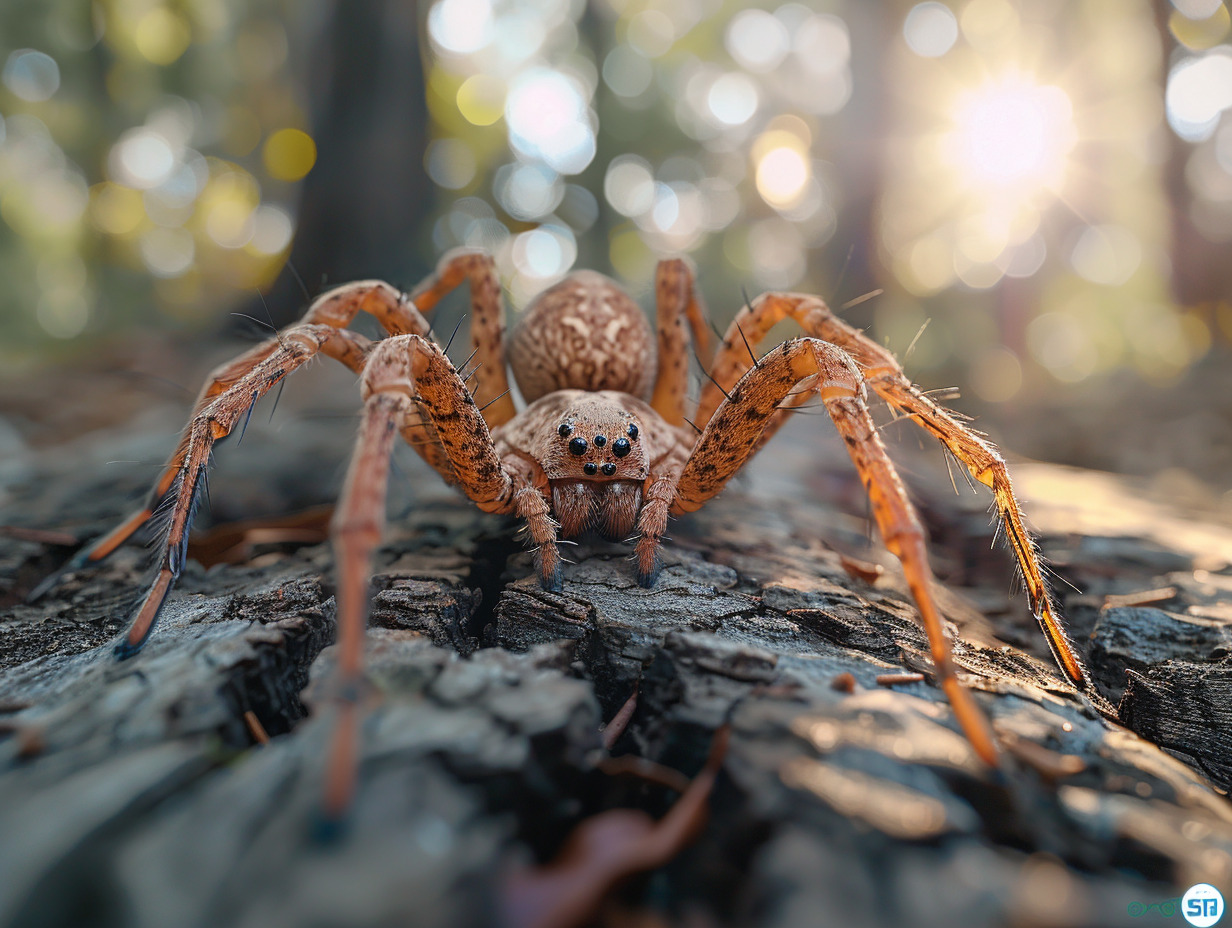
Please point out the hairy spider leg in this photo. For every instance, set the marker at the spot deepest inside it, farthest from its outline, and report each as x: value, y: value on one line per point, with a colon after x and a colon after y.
x: 885, y: 375
x: 731, y: 435
x: 405, y: 375
x: 356, y: 529
x: 336, y: 308
x: 677, y: 303
x: 213, y: 422
x: 487, y: 323
x: 657, y: 500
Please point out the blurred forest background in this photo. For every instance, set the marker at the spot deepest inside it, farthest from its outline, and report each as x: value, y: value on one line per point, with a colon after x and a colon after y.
x: 1047, y: 183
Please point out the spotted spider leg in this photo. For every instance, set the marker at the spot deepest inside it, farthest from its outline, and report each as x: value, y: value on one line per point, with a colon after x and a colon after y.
x: 228, y: 395
x: 677, y: 303
x: 213, y: 421
x: 405, y: 376
x: 885, y: 375
x: 679, y: 312
x: 732, y: 434
x: 336, y: 308
x: 487, y: 324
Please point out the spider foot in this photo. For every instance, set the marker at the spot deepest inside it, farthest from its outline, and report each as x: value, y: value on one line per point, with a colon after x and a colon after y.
x: 144, y: 619
x: 547, y: 565
x: 647, y: 561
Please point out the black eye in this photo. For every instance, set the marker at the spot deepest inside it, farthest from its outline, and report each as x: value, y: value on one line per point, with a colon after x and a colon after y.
x: 600, y: 441
x: 589, y: 468
x: 621, y: 447
x: 633, y: 431
x: 608, y: 469
x: 577, y: 446
x: 565, y: 430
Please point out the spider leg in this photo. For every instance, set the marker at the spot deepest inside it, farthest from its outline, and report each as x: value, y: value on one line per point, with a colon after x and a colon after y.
x: 531, y: 505
x: 358, y: 525
x: 676, y: 303
x: 657, y: 500
x: 731, y: 436
x: 179, y: 489
x: 885, y: 375
x: 487, y: 323
x: 335, y: 308
x: 405, y: 376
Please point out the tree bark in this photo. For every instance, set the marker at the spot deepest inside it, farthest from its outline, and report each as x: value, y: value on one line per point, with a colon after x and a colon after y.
x: 137, y: 793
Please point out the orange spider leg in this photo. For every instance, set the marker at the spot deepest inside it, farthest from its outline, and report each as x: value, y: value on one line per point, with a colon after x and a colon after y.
x: 677, y: 303
x: 358, y: 525
x: 336, y: 308
x: 213, y: 421
x: 657, y: 499
x: 531, y: 505
x: 885, y: 375
x: 405, y: 374
x: 731, y: 435
x: 487, y: 323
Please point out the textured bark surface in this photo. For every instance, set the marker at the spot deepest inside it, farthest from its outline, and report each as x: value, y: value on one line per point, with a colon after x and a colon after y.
x: 135, y: 793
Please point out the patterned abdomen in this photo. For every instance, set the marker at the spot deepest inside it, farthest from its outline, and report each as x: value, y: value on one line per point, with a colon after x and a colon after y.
x: 582, y: 334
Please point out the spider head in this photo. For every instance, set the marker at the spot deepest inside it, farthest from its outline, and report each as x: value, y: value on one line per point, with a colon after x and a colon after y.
x: 596, y: 467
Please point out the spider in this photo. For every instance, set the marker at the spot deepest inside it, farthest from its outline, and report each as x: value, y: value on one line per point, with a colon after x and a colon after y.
x: 603, y: 445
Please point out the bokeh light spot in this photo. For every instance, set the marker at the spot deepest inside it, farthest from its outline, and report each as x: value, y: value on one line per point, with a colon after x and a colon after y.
x: 757, y: 40
x: 167, y: 252
x: 546, y: 111
x: 141, y: 158
x: 528, y: 191
x: 272, y: 230
x: 1197, y: 9
x: 652, y: 33
x: 1015, y: 133
x: 782, y: 167
x: 626, y: 72
x: 289, y: 154
x: 1202, y: 33
x: 543, y: 254
x: 1199, y: 89
x: 161, y: 36
x: 63, y: 314
x: 115, y: 209
x: 629, y: 185
x: 930, y: 29
x: 451, y: 163
x: 228, y: 204
x: 481, y: 99
x: 1062, y: 345
x: 733, y: 99
x: 31, y: 75
x: 1106, y: 254
x: 461, y: 26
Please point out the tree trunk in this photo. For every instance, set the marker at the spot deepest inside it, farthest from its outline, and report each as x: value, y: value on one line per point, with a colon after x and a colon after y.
x: 137, y: 793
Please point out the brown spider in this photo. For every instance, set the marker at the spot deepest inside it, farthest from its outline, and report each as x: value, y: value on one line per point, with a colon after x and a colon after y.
x: 603, y: 445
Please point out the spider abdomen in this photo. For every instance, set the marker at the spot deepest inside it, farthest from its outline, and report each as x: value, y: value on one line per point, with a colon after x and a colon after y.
x: 584, y: 333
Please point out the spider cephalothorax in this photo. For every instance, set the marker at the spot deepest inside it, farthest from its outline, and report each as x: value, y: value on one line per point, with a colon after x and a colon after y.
x: 604, y: 445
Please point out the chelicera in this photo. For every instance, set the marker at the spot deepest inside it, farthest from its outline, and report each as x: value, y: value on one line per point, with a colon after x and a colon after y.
x: 603, y: 445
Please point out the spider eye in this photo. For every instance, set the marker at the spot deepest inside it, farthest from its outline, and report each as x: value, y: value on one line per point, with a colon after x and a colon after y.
x: 577, y: 446
x: 621, y: 447
x: 590, y: 468
x: 565, y: 430
x: 633, y: 431
x: 609, y: 469
x: 600, y: 441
